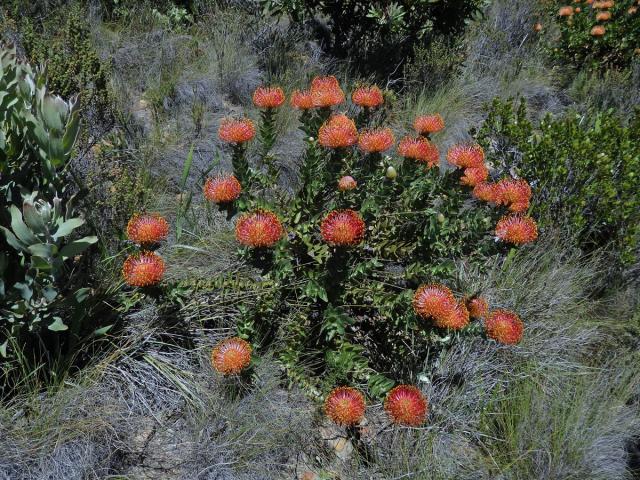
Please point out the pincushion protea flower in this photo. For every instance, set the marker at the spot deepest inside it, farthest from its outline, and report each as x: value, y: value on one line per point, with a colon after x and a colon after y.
x: 302, y: 100
x: 565, y: 11
x: 377, y: 140
x: 222, y: 189
x: 347, y: 183
x: 369, y: 97
x: 419, y: 149
x: 455, y: 319
x: 231, y: 356
x: 147, y: 229
x: 474, y: 176
x: 236, y: 131
x: 143, y: 269
x: 485, y: 191
x: 478, y: 307
x: 268, y: 97
x: 342, y: 228
x: 326, y: 92
x: 603, y: 16
x: 345, y: 406
x: 466, y: 156
x: 598, y: 31
x: 259, y: 229
x: 433, y: 300
x: 426, y: 124
x: 514, y: 193
x: 517, y: 229
x: 504, y: 326
x: 339, y: 131
x: 406, y: 405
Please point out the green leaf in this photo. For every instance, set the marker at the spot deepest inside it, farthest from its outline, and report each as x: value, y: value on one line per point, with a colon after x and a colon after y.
x: 12, y: 240
x: 43, y: 250
x: 3, y: 348
x: 58, y: 325
x: 102, y: 331
x: 77, y: 247
x: 33, y: 219
x: 67, y: 227
x: 186, y: 168
x: 20, y: 229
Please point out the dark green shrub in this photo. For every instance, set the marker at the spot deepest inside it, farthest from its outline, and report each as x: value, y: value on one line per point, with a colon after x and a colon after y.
x: 584, y: 171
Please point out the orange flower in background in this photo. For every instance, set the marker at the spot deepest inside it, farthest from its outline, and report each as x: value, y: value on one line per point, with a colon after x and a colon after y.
x: 455, y: 319
x: 466, y: 156
x: 420, y: 149
x: 406, y: 405
x: 377, y: 140
x: 598, y: 31
x: 485, y: 191
x: 578, y: 10
x: 231, y: 356
x: 222, y: 189
x: 236, y: 131
x: 302, y: 100
x: 632, y: 10
x: 504, y: 326
x: 565, y: 11
x: 369, y: 97
x: 326, y: 92
x: 537, y: 27
x: 143, y: 269
x: 347, y: 183
x: 513, y: 193
x: 603, y: 16
x: 517, y: 229
x: 478, y: 307
x: 474, y: 175
x: 426, y: 124
x: 268, y: 97
x: 433, y: 300
x: 147, y: 229
x: 339, y: 131
x: 345, y: 406
x: 342, y: 228
x: 259, y: 229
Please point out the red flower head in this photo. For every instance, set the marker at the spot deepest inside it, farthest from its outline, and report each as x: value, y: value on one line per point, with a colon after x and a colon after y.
x: 485, y: 191
x: 342, y: 228
x: 148, y: 228
x: 474, y: 175
x: 517, y: 229
x: 347, y: 183
x: 426, y: 124
x: 326, y: 92
x: 466, y: 156
x: 433, y: 301
x: 222, y: 189
x: 455, y: 319
x: 345, y: 406
x: 419, y: 149
x: 231, y: 356
x: 338, y: 132
x: 302, y: 100
x: 268, y: 97
x: 236, y: 131
x: 370, y: 97
x: 406, y: 405
x: 478, y: 307
x: 143, y: 269
x: 258, y: 229
x: 514, y: 193
x: 504, y: 326
x: 377, y: 140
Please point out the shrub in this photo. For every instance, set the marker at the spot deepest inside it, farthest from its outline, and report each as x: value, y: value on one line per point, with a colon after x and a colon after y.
x: 585, y: 171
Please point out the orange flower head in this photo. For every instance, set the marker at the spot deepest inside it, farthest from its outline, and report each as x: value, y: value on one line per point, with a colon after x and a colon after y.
x: 485, y: 191
x: 326, y: 92
x: 342, y: 228
x: 504, y: 326
x: 426, y: 124
x: 339, y: 131
x: 603, y: 16
x: 302, y: 100
x: 236, y: 131
x: 143, y: 269
x: 259, y: 229
x: 632, y: 10
x: 345, y: 406
x: 377, y: 140
x: 419, y: 149
x: 369, y: 97
x: 231, y: 356
x: 478, y: 307
x: 466, y: 156
x: 222, y: 189
x: 565, y: 11
x: 578, y: 10
x: 433, y: 301
x: 474, y: 175
x: 537, y: 27
x: 268, y: 97
x: 517, y: 229
x: 513, y: 193
x: 406, y: 405
x: 598, y: 31
x: 147, y: 229
x: 347, y: 183
x: 455, y: 319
